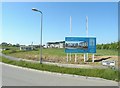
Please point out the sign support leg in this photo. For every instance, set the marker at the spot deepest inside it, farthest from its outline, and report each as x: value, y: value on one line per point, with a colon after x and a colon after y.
x: 75, y: 57
x: 93, y: 58
x: 84, y: 57
x: 70, y: 56
x: 67, y: 57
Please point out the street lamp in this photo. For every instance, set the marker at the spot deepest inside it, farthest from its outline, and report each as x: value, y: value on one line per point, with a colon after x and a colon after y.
x: 34, y: 9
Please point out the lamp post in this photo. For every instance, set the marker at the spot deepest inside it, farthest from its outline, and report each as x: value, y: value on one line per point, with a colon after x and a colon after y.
x: 34, y: 9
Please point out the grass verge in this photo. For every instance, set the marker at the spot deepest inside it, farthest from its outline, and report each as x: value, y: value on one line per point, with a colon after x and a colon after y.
x: 58, y: 55
x: 101, y: 73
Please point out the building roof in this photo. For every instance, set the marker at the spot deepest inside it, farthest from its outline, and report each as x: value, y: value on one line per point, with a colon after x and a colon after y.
x: 55, y: 42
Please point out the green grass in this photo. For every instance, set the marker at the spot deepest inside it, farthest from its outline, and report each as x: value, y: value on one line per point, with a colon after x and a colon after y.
x: 104, y: 52
x: 102, y: 73
x: 55, y: 55
x: 47, y: 53
x: 54, y: 51
x: 61, y: 52
x: 10, y: 47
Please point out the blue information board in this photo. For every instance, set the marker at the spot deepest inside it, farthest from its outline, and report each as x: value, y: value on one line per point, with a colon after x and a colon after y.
x: 80, y: 45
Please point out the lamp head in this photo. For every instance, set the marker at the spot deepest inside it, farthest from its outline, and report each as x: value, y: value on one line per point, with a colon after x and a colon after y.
x: 34, y: 9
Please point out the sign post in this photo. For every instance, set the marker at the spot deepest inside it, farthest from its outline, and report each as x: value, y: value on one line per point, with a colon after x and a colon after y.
x: 75, y: 57
x: 93, y: 58
x: 67, y: 57
x: 87, y: 33
x: 84, y: 57
x: 70, y: 56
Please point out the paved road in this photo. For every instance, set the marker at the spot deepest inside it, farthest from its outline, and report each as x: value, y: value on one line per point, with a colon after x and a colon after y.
x: 18, y: 76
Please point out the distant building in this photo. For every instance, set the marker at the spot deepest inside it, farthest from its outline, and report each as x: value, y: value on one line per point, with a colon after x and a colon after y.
x: 60, y: 44
x: 26, y: 47
x: 4, y: 44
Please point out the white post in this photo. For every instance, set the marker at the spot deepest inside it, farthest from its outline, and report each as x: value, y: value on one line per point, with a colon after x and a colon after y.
x: 87, y: 33
x: 70, y: 56
x: 84, y: 57
x: 70, y: 31
x: 75, y: 58
x: 70, y: 24
x: 67, y: 57
x: 87, y: 26
x: 93, y: 58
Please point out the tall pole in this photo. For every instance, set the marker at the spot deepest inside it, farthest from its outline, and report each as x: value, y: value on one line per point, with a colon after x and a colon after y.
x: 34, y: 9
x: 87, y: 33
x: 41, y: 38
x: 70, y: 25
x: 70, y: 31
x: 87, y: 26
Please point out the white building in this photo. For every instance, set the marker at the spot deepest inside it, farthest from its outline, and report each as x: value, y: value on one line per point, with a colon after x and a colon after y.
x: 26, y: 47
x: 60, y: 44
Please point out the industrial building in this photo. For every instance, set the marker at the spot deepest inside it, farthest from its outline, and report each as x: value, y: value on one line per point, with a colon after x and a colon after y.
x: 60, y: 44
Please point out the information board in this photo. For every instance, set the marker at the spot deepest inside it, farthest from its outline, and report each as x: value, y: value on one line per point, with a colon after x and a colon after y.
x: 80, y: 45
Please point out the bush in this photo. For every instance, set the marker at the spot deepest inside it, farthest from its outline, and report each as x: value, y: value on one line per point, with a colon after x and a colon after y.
x: 8, y: 51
